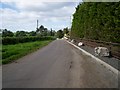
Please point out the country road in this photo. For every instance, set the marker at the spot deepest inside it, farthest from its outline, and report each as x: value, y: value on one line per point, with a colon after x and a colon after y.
x: 58, y: 65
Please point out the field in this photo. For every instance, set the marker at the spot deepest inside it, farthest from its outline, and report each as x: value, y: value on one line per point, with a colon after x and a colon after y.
x: 13, y: 52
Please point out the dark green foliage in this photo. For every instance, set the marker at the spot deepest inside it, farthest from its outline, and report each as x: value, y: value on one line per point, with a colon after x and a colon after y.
x: 51, y: 32
x: 97, y: 21
x: 13, y: 52
x: 15, y: 40
x: 41, y: 28
x: 41, y: 31
x: 21, y: 33
x: 60, y: 34
x: 65, y: 30
x: 6, y: 33
x: 32, y: 33
x: 45, y: 32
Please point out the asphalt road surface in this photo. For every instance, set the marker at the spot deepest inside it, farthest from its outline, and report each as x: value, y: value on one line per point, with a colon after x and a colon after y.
x: 58, y: 65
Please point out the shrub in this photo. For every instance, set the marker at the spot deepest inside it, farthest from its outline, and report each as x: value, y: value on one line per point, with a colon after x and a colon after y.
x: 15, y: 40
x: 97, y: 21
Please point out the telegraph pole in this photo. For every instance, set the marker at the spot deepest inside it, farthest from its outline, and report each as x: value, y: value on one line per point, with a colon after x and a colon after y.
x: 70, y: 22
x: 70, y: 26
x: 37, y: 24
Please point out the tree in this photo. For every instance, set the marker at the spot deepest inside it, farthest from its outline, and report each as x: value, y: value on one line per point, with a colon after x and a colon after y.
x: 65, y: 30
x: 21, y: 33
x: 6, y: 33
x: 51, y: 32
x: 97, y: 21
x: 44, y: 33
x: 60, y: 34
x: 32, y: 33
x: 40, y: 30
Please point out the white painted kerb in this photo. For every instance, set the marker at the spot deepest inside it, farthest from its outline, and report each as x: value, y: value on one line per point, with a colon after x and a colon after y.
x: 99, y: 60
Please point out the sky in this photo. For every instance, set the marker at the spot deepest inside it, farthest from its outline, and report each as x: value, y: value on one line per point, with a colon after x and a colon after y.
x: 16, y: 15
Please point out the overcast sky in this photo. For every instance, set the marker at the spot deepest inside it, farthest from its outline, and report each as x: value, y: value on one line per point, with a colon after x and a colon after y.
x: 23, y: 14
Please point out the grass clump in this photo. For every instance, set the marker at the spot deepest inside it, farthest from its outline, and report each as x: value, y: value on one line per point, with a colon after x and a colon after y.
x: 13, y: 52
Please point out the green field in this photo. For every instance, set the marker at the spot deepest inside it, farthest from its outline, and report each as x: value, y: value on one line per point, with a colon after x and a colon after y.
x: 13, y: 52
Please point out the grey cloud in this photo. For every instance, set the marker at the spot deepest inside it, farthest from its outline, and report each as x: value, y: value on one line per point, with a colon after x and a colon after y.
x: 48, y: 6
x: 51, y: 14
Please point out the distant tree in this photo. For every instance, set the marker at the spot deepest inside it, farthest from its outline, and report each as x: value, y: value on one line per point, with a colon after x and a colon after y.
x: 20, y: 33
x: 32, y: 33
x: 40, y: 30
x: 48, y: 33
x: 60, y: 34
x: 44, y: 33
x: 6, y: 33
x: 51, y: 32
x: 65, y: 30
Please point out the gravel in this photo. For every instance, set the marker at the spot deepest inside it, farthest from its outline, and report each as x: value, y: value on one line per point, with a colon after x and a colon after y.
x: 114, y: 62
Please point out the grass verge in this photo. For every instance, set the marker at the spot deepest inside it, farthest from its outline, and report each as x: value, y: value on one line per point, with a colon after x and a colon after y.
x: 11, y: 53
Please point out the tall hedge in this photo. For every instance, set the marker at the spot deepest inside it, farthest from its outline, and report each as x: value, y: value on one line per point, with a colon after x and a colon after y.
x: 15, y: 40
x: 97, y: 21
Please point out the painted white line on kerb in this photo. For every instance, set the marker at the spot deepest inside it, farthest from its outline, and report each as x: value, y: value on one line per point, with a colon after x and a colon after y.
x: 99, y: 60
x: 1, y: 77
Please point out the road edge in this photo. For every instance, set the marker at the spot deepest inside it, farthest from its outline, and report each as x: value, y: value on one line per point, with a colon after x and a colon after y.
x: 99, y: 60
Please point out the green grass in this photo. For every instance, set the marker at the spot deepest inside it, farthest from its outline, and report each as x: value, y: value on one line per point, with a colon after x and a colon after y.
x: 13, y: 52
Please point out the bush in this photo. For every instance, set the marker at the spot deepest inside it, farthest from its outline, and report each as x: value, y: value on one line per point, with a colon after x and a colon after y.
x: 15, y: 40
x: 97, y: 21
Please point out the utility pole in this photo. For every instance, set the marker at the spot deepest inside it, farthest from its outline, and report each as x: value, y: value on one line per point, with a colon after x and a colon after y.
x: 70, y: 22
x: 37, y: 24
x: 51, y: 32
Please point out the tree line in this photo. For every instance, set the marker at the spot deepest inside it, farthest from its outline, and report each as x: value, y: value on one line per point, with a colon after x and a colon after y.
x: 16, y: 40
x: 97, y: 21
x: 41, y: 31
x: 61, y: 33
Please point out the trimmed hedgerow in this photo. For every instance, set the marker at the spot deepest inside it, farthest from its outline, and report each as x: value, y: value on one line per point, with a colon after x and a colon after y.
x: 16, y: 40
x: 97, y: 21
